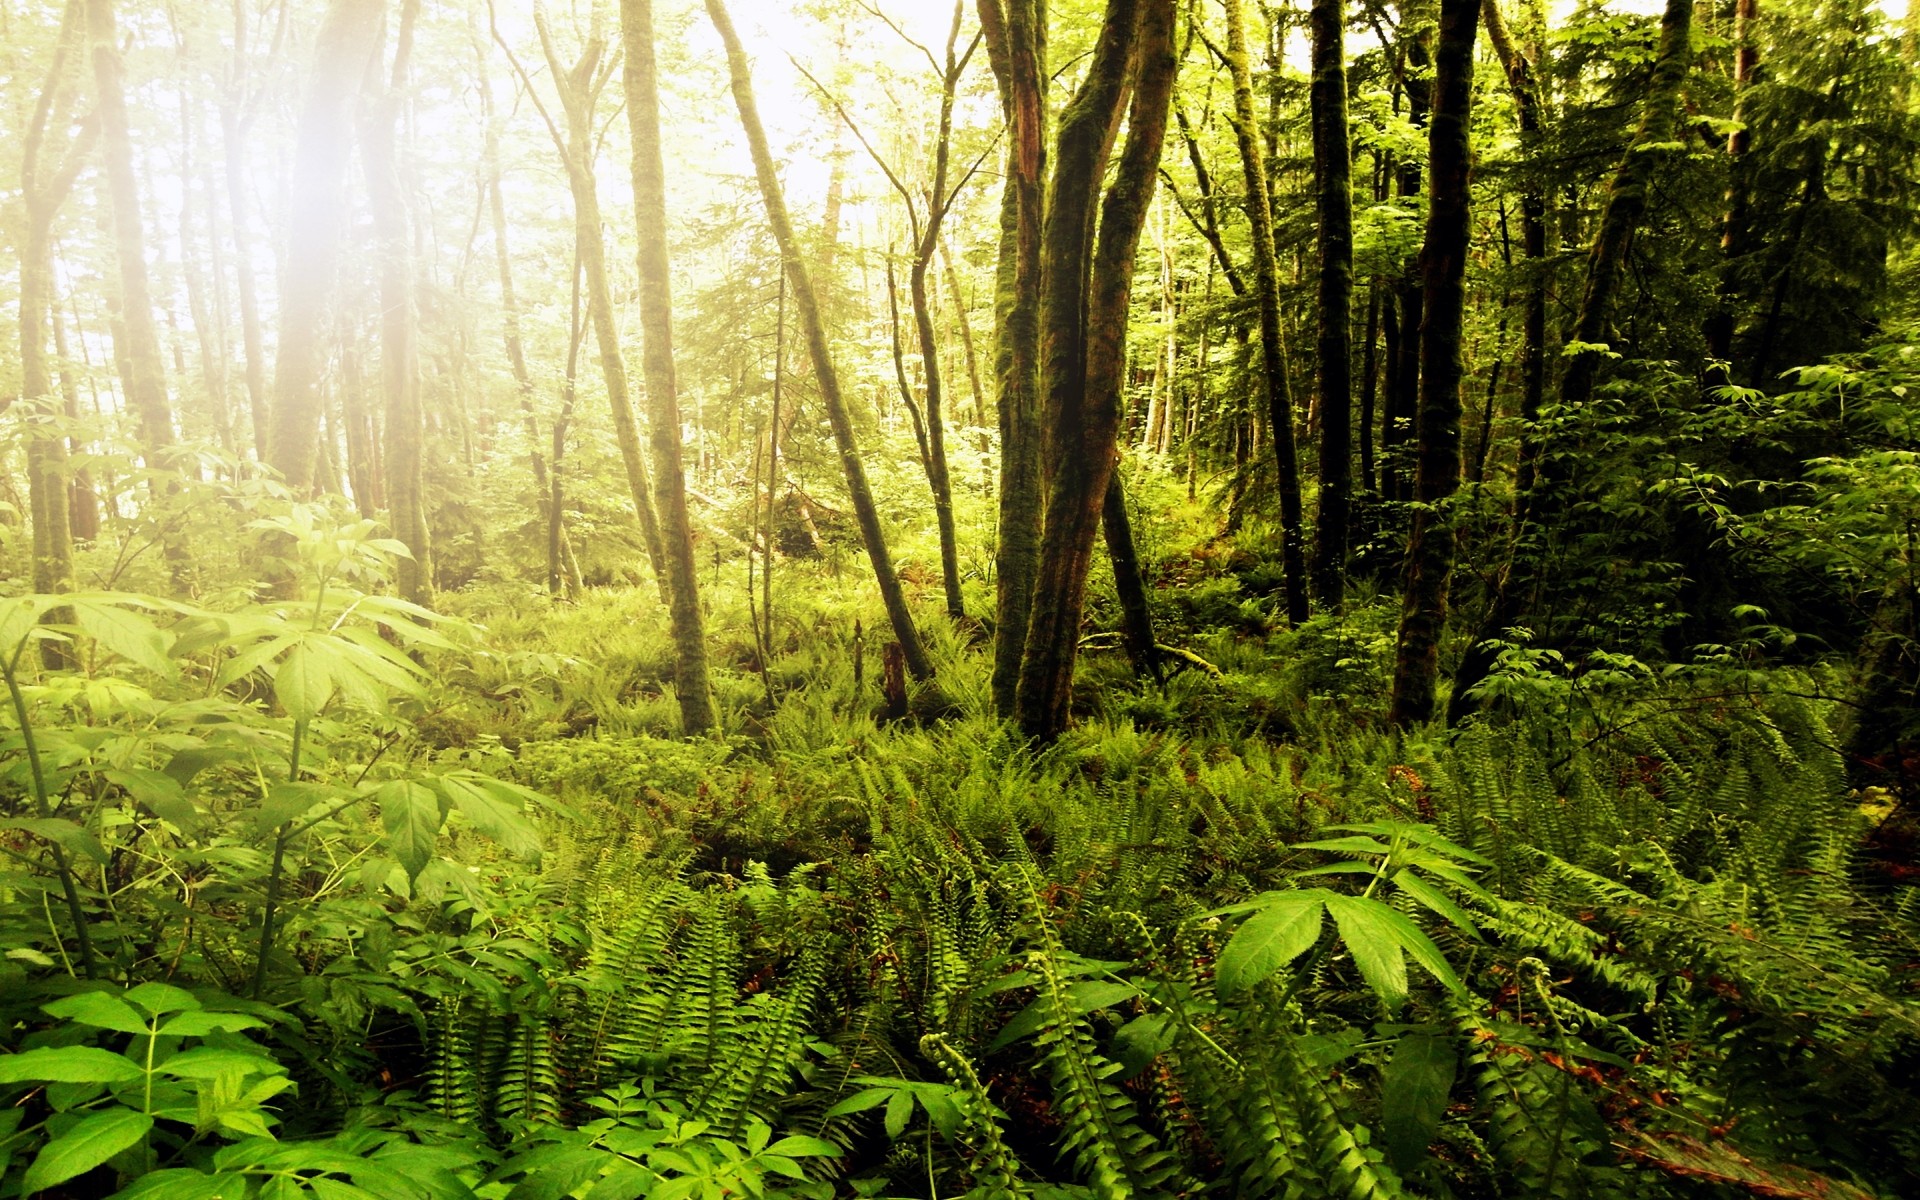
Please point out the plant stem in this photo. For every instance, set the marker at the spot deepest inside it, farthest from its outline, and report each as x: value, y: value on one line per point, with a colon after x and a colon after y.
x: 45, y: 808
x: 275, y: 873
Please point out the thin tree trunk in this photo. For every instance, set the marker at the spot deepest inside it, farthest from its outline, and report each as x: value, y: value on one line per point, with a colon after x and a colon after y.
x: 1443, y: 263
x: 1403, y: 392
x: 83, y: 503
x: 556, y: 501
x: 1735, y: 224
x: 399, y: 355
x: 965, y: 324
x: 825, y: 375
x: 1129, y: 584
x: 348, y: 40
x: 1333, y: 185
x: 1620, y: 218
x: 1369, y: 378
x: 1533, y: 245
x: 656, y: 362
x: 1267, y: 292
x: 1086, y: 349
x: 146, y: 368
x: 1016, y: 38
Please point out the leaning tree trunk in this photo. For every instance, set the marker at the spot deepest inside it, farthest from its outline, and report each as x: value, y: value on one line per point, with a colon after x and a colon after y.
x: 1129, y: 582
x: 399, y: 354
x: 146, y: 369
x: 1085, y: 376
x: 1620, y: 218
x: 656, y: 364
x: 346, y: 43
x: 1266, y: 272
x: 1533, y: 243
x: 1443, y: 264
x: 1017, y: 50
x: 1333, y: 187
x: 825, y: 375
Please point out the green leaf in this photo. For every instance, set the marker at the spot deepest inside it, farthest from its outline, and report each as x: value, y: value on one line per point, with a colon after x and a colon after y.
x: 861, y: 1101
x: 212, y: 1062
x: 162, y: 795
x: 93, y: 1141
x: 1375, y: 947
x: 899, y: 1112
x: 98, y: 1009
x: 795, y: 1146
x: 159, y: 998
x: 1413, y: 1096
x: 1082, y: 998
x: 493, y: 808
x: 125, y: 633
x: 179, y: 1183
x: 63, y: 833
x: 304, y: 679
x: 1285, y: 928
x: 1436, y: 900
x: 286, y: 801
x: 67, y: 1064
x: 412, y: 814
x: 200, y: 1024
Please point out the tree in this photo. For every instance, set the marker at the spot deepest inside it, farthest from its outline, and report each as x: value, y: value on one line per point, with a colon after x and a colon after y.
x: 1083, y: 329
x: 346, y: 44
x: 1443, y: 267
x: 1333, y: 191
x: 807, y: 302
x: 1016, y: 35
x: 1266, y: 288
x: 1521, y: 81
x: 656, y: 337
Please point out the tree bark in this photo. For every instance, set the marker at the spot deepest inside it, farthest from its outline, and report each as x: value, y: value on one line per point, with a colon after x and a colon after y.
x: 656, y: 363
x: 1620, y: 219
x: 1533, y: 244
x: 1333, y: 185
x: 1016, y: 38
x: 1267, y: 292
x: 399, y: 354
x: 346, y: 44
x: 1735, y: 224
x: 1085, y: 350
x: 825, y: 375
x: 146, y: 369
x: 1443, y: 265
x: 1129, y: 583
x: 1403, y: 389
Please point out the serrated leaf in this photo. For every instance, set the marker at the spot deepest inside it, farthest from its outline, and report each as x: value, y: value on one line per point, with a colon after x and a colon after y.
x: 98, y: 1009
x: 125, y: 633
x: 1413, y: 1096
x: 1436, y: 900
x: 67, y: 1064
x: 303, y: 682
x: 493, y: 808
x: 899, y: 1112
x: 93, y: 1141
x: 63, y: 833
x: 200, y: 1024
x: 159, y: 998
x: 797, y: 1146
x: 412, y: 814
x: 1285, y: 928
x: 160, y: 793
x: 1367, y: 935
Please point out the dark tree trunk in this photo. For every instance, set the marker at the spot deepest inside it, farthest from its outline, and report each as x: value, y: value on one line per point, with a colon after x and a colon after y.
x: 1533, y: 245
x: 1333, y: 187
x: 825, y: 375
x: 1086, y: 350
x: 1129, y: 584
x: 1443, y: 265
x: 656, y: 338
x: 1267, y: 292
x: 1736, y: 223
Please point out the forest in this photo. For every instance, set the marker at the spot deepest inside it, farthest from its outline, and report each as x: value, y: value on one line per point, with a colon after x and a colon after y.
x: 1000, y: 599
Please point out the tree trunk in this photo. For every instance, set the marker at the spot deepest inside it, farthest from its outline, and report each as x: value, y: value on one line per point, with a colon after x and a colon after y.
x: 1369, y: 379
x: 1403, y: 392
x: 399, y: 355
x: 1443, y: 264
x: 1333, y: 185
x: 1085, y: 348
x: 1129, y: 584
x: 348, y: 40
x: 825, y: 375
x: 1735, y: 224
x: 146, y: 369
x: 1016, y: 39
x: 1620, y: 218
x: 656, y: 363
x: 1533, y: 244
x: 965, y: 325
x: 1267, y: 292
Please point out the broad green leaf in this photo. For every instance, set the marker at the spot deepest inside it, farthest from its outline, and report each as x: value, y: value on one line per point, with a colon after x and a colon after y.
x: 412, y: 814
x: 1374, y: 944
x: 159, y: 998
x: 125, y: 633
x: 200, y: 1024
x: 1285, y: 928
x: 286, y: 801
x: 67, y: 1064
x: 303, y: 681
x: 494, y: 810
x: 1413, y: 1096
x: 1436, y: 900
x: 93, y: 1141
x: 162, y: 794
x: 899, y: 1112
x: 98, y: 1009
x: 796, y: 1146
x: 63, y: 833
x: 1081, y: 998
x: 861, y: 1101
x: 18, y: 618
x: 1345, y: 845
x: 179, y: 1183
x: 212, y: 1062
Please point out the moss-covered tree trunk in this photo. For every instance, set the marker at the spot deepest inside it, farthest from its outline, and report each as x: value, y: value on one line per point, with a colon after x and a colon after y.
x: 1333, y: 192
x: 1736, y: 222
x: 1084, y: 351
x: 656, y: 363
x: 1533, y: 241
x: 1620, y: 218
x: 347, y: 41
x: 405, y: 425
x: 1016, y: 39
x: 1443, y: 266
x: 1266, y: 274
x: 826, y: 376
x: 1129, y: 581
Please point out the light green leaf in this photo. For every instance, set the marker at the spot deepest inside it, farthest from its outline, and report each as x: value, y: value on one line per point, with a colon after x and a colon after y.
x: 67, y: 1064
x: 200, y: 1024
x: 304, y: 679
x: 179, y: 1183
x: 159, y: 998
x: 93, y: 1141
x: 98, y: 1009
x: 899, y: 1112
x: 1282, y: 930
x: 125, y: 633
x: 493, y: 808
x: 412, y: 814
x: 161, y: 794
x: 1436, y: 900
x: 795, y: 1146
x: 1371, y: 940
x: 62, y: 833
x: 212, y: 1062
x: 1413, y: 1097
